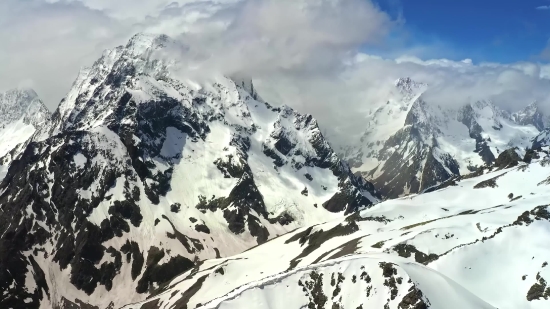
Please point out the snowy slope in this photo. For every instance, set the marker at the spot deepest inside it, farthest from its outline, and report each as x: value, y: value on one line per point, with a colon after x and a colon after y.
x: 479, y: 242
x: 359, y: 281
x: 145, y: 173
x: 411, y: 144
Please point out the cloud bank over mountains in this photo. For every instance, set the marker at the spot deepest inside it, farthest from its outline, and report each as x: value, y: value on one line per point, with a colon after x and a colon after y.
x: 304, y: 53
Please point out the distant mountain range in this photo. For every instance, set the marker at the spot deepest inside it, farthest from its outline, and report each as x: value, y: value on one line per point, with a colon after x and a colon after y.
x: 411, y: 144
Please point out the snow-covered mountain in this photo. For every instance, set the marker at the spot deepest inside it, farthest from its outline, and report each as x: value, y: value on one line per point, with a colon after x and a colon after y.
x: 411, y: 144
x: 479, y: 241
x: 532, y: 115
x: 143, y: 173
x: 22, y: 113
x: 22, y: 116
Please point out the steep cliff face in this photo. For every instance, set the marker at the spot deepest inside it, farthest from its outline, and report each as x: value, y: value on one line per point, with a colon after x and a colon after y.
x: 142, y: 173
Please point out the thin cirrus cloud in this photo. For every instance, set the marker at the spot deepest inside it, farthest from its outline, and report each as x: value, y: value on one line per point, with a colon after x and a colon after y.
x: 303, y: 53
x: 543, y: 7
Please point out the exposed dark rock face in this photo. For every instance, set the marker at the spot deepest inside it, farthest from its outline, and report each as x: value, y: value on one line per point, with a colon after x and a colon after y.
x: 316, y: 239
x: 530, y: 155
x: 413, y: 300
x: 55, y: 203
x: 466, y: 116
x: 411, y: 165
x: 406, y: 250
x: 160, y: 273
x: 313, y: 289
x: 539, y: 290
x: 202, y: 228
x: 507, y: 158
x: 489, y: 183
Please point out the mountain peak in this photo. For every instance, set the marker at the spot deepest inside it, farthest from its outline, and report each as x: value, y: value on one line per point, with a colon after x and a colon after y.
x: 246, y: 83
x: 408, y: 85
x: 531, y: 115
x: 22, y: 113
x: 141, y: 42
x: 15, y: 95
x: 21, y: 102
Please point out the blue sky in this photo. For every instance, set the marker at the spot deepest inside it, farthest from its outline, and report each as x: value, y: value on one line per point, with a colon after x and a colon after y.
x: 483, y: 30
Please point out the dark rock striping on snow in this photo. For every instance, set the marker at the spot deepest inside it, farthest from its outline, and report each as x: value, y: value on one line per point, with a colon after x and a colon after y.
x: 161, y: 273
x: 57, y: 206
x: 191, y: 245
x: 316, y: 239
x: 313, y: 289
x: 406, y: 250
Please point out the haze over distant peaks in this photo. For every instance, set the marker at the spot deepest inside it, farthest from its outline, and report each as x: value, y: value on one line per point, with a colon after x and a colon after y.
x: 410, y: 144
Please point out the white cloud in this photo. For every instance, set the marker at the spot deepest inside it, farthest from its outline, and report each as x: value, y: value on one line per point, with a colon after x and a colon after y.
x: 341, y: 103
x: 543, y: 7
x: 49, y: 40
x: 46, y: 43
x: 301, y: 52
